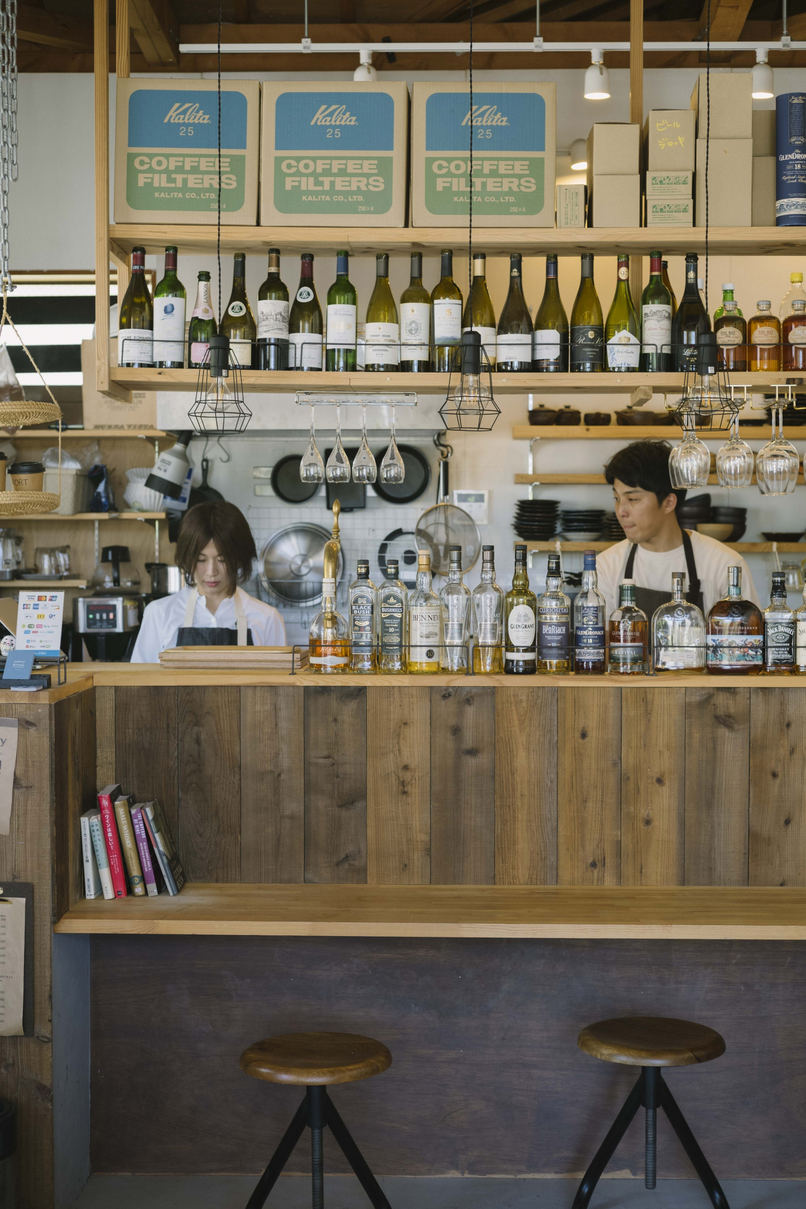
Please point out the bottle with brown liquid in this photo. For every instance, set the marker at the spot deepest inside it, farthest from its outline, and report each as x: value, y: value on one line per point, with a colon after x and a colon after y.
x: 764, y: 338
x: 734, y: 633
x: 628, y: 631
x: 793, y: 337
x: 329, y: 638
x: 730, y: 329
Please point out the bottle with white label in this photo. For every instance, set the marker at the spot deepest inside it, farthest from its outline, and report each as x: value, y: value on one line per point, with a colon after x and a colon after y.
x: 341, y: 319
x: 520, y: 621
x: 455, y: 600
x: 136, y: 318
x: 446, y: 318
x: 415, y: 319
x: 514, y: 339
x: 305, y: 321
x: 800, y: 636
x: 238, y: 322
x: 363, y: 619
x: 382, y: 329
x: 550, y: 335
x: 479, y: 315
x: 202, y: 323
x: 622, y: 330
x: 764, y: 338
x: 170, y: 300
x: 730, y: 330
x: 425, y: 620
x: 656, y: 320
x: 272, y: 318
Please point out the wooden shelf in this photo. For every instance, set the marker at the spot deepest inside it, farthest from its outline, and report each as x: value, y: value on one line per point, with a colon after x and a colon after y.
x: 538, y: 479
x: 91, y: 516
x: 48, y: 584
x: 636, y: 432
x: 569, y: 547
x: 83, y: 434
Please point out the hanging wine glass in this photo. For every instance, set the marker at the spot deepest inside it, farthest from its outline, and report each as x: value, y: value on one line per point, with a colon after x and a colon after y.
x: 311, y: 466
x: 690, y: 461
x: 393, y: 469
x: 365, y: 469
x: 777, y: 462
x: 337, y: 469
x: 735, y: 460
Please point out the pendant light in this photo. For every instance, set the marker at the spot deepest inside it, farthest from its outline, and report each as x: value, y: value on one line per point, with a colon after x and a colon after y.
x: 597, y: 78
x: 578, y: 152
x: 762, y: 77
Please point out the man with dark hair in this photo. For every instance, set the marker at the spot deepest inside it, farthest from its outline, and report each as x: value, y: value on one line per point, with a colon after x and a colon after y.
x: 655, y: 545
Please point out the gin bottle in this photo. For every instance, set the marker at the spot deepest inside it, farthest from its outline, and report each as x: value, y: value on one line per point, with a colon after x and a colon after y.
x: 455, y: 601
x: 678, y: 632
x: 589, y: 622
x: 488, y: 617
x: 361, y: 595
x: 627, y: 632
x: 553, y: 622
x: 425, y: 620
x: 779, y: 629
x: 734, y: 633
x: 392, y: 620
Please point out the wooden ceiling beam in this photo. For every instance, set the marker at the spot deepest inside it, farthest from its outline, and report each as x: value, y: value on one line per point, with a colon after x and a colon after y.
x: 728, y: 18
x: 585, y: 32
x: 155, y: 28
x: 42, y: 28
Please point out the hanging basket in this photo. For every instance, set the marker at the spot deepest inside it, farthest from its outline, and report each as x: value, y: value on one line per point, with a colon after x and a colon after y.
x: 23, y: 503
x: 22, y: 414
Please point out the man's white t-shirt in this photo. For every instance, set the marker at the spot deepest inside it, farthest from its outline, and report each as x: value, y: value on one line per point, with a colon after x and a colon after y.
x: 654, y: 570
x: 162, y: 619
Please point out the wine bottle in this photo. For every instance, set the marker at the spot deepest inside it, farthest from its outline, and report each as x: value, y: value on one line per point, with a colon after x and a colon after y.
x: 513, y: 352
x: 520, y: 621
x: 587, y: 324
x: 446, y: 318
x: 341, y: 319
x: 382, y: 331
x: 202, y: 322
x: 170, y: 300
x: 136, y: 318
x: 622, y: 331
x: 730, y: 330
x: 305, y: 321
x: 550, y: 336
x: 415, y: 318
x: 690, y: 321
x: 272, y: 318
x: 479, y: 315
x: 238, y: 322
x: 668, y: 284
x: 764, y: 338
x: 656, y: 320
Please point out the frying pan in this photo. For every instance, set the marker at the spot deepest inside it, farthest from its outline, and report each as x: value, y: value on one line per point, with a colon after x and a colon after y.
x: 204, y: 492
x: 286, y: 483
x: 418, y: 474
x: 447, y: 525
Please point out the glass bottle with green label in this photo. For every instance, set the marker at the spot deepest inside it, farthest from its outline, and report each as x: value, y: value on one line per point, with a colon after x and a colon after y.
x: 305, y: 321
x: 341, y: 319
x: 136, y: 318
x: 520, y: 621
x: 382, y: 329
x: 622, y: 329
x: 628, y: 651
x: 202, y: 322
x: 170, y: 300
x: 479, y: 315
x: 272, y: 318
x: 587, y: 324
x: 238, y: 322
x: 392, y: 620
x: 415, y: 319
x: 446, y: 318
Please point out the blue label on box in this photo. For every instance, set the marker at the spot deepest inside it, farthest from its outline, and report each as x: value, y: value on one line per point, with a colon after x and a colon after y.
x: 186, y: 118
x: 501, y: 121
x: 334, y: 121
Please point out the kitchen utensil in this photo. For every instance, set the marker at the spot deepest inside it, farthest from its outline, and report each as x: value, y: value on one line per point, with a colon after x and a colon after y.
x: 597, y: 418
x: 417, y: 474
x: 721, y: 532
x: 8, y: 554
x: 204, y: 493
x: 311, y: 466
x: 735, y: 460
x: 447, y: 525
x: 165, y: 578
x: 292, y: 564
x: 115, y: 571
x: 542, y: 415
x: 337, y: 463
x: 287, y: 484
x: 777, y: 462
x: 782, y: 537
x: 568, y: 415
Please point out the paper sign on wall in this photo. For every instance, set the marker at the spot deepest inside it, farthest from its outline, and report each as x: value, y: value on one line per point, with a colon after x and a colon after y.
x: 39, y: 622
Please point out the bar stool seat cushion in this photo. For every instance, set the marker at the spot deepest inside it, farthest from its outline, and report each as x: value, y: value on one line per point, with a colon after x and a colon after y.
x: 310, y: 1059
x: 651, y: 1041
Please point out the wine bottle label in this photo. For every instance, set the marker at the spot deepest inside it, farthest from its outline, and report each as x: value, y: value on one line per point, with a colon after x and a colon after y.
x: 198, y: 351
x: 513, y: 346
x: 488, y: 339
x: 729, y: 336
x: 391, y: 622
x: 623, y: 351
x: 304, y: 294
x: 242, y: 352
x: 414, y: 320
x: 304, y: 350
x: 425, y: 623
x: 734, y: 651
x: 586, y: 345
x: 623, y: 272
x: 362, y: 622
x: 202, y: 310
x: 237, y: 309
x: 656, y: 327
x: 764, y: 333
x: 341, y: 325
x: 546, y: 345
x: 382, y: 344
x: 521, y: 629
x: 797, y: 335
x: 169, y: 329
x: 447, y: 320
x: 779, y: 644
x: 552, y: 638
x: 136, y: 346
x: 686, y: 357
x: 272, y: 319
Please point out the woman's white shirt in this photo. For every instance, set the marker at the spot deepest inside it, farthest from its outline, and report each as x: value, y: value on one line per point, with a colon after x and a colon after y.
x: 162, y: 620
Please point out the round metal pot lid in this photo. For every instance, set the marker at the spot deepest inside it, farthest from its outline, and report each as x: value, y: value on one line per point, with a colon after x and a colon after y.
x: 292, y: 563
x: 286, y: 483
x: 418, y: 475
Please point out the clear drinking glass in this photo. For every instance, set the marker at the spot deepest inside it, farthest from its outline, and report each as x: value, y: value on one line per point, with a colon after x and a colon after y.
x: 735, y: 460
x: 337, y: 469
x: 690, y: 461
x: 365, y: 469
x: 393, y: 469
x: 311, y: 466
x: 777, y: 462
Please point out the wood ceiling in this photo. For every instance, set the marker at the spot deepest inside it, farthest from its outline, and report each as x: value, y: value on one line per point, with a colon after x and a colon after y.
x: 56, y: 35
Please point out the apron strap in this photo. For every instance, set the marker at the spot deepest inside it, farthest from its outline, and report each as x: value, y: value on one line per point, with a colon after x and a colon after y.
x: 694, y: 591
x: 629, y: 563
x: 240, y: 619
x: 190, y: 608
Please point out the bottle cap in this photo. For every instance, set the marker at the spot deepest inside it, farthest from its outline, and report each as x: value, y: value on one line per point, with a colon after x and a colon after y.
x: 392, y: 567
x: 793, y: 277
x: 763, y: 304
x: 423, y: 560
x: 799, y: 304
x: 589, y: 560
x: 362, y: 566
x: 727, y: 285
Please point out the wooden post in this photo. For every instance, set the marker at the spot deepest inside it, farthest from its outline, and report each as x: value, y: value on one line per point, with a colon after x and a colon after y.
x: 101, y: 47
x: 636, y: 115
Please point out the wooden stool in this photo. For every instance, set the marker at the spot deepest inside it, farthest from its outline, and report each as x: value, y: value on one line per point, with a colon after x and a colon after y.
x: 313, y: 1061
x: 650, y: 1042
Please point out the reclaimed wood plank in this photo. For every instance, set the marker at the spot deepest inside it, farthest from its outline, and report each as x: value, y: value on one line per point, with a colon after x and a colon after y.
x: 777, y: 819
x: 105, y: 735
x: 526, y: 786
x: 717, y: 791
x: 335, y: 784
x: 463, y: 785
x: 398, y: 785
x: 145, y: 760
x: 208, y: 756
x: 653, y: 754
x: 272, y: 785
x: 589, y: 787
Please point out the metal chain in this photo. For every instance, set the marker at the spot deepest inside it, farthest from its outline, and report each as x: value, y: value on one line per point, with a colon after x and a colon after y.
x: 8, y: 127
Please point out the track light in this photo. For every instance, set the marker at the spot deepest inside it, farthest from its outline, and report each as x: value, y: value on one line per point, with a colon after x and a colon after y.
x: 597, y: 81
x: 578, y: 152
x: 762, y: 78
x: 365, y: 73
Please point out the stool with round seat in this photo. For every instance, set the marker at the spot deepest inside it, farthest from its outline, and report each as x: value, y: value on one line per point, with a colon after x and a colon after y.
x: 314, y: 1061
x: 650, y: 1042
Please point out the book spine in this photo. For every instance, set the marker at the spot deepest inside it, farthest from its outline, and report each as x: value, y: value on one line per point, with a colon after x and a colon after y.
x: 141, y: 839
x: 129, y: 847
x: 92, y: 879
x: 101, y: 856
x: 165, y: 868
x: 112, y: 845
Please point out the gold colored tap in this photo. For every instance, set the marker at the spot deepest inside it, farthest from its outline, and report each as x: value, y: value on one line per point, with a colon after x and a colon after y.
x: 332, y: 551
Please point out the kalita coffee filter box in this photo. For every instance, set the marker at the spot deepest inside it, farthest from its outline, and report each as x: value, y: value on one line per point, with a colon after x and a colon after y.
x: 166, y: 151
x: 334, y: 154
x: 513, y: 155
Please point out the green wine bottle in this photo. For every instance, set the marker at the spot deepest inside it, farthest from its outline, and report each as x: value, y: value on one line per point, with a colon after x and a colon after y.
x: 272, y: 318
x: 690, y: 322
x: 656, y: 320
x: 169, y: 317
x: 446, y: 318
x: 514, y: 338
x: 341, y: 319
x: 305, y: 321
x: 238, y: 322
x: 382, y: 330
x: 550, y: 337
x: 202, y: 322
x: 136, y: 318
x: 587, y: 325
x: 668, y: 284
x: 520, y: 621
x: 479, y: 315
x: 415, y: 316
x: 622, y: 330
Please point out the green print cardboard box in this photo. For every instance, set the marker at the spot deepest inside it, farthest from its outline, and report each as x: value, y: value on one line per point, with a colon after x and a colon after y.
x: 166, y: 151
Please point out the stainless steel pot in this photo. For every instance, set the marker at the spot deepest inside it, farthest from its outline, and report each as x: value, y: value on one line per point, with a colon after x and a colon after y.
x: 165, y: 578
x: 292, y: 564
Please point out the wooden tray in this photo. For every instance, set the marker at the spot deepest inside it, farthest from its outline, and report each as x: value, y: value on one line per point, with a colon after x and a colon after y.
x: 268, y: 658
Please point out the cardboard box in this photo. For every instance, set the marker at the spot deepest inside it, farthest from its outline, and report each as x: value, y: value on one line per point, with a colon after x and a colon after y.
x: 166, y: 153
x: 616, y: 201
x: 731, y: 104
x: 571, y: 204
x: 514, y: 147
x: 763, y: 200
x: 668, y: 184
x: 669, y: 212
x: 669, y: 139
x: 764, y: 132
x: 102, y: 412
x: 613, y: 149
x: 729, y: 183
x: 334, y: 154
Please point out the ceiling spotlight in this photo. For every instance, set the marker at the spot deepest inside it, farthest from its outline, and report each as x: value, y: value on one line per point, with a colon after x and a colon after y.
x: 579, y: 155
x: 597, y: 81
x: 365, y: 73
x: 762, y: 78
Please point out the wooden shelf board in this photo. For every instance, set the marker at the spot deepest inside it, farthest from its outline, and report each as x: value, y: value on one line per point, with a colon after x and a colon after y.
x: 742, y: 547
x: 636, y: 432
x: 538, y: 479
x: 84, y: 434
x: 48, y: 584
x: 93, y: 516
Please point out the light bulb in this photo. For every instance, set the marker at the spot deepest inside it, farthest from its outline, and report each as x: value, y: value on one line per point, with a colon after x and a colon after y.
x: 762, y: 78
x: 579, y: 155
x: 365, y: 73
x: 597, y: 80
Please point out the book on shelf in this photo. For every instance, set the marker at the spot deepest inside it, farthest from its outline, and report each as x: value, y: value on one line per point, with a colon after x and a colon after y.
x: 160, y: 836
x: 151, y: 872
x: 128, y: 843
x: 106, y: 805
x: 92, y: 877
x: 96, y: 829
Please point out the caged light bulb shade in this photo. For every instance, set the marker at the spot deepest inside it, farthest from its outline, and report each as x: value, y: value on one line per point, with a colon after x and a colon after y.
x: 762, y: 78
x: 597, y: 80
x: 578, y: 152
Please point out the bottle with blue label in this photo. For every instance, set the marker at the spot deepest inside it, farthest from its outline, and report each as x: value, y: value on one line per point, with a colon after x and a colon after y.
x: 790, y: 146
x: 589, y: 622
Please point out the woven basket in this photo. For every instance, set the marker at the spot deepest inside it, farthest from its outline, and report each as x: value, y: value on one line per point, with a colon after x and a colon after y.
x: 24, y: 503
x: 20, y: 415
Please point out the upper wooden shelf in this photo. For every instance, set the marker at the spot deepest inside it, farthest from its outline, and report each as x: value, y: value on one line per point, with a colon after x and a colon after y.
x: 571, y: 547
x: 92, y: 516
x: 636, y: 432
x: 84, y: 434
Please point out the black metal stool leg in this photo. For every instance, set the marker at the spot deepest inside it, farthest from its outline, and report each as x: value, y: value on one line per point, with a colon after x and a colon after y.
x: 354, y: 1156
x: 280, y: 1157
x: 317, y: 1097
x: 650, y: 1076
x: 691, y: 1147
x: 605, y: 1152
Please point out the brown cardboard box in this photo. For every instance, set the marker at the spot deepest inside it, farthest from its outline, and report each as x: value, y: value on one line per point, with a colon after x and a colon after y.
x: 616, y: 201
x: 669, y: 212
x: 102, y: 412
x: 763, y: 132
x: 613, y: 149
x: 763, y: 203
x: 571, y: 204
x: 731, y: 104
x: 669, y: 139
x: 729, y: 183
x: 668, y: 184
x: 334, y: 154
x: 166, y: 151
x: 513, y: 154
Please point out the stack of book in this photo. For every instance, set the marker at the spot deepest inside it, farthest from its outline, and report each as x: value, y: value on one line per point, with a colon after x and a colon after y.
x: 127, y: 848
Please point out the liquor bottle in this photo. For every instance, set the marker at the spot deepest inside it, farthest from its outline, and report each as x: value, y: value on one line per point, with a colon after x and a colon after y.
x: 587, y: 325
x: 550, y: 336
x: 678, y: 632
x: 425, y: 620
x: 446, y: 318
x: 136, y: 318
x: 382, y: 331
x: 202, y: 322
x: 793, y: 337
x: 730, y: 330
x: 734, y: 632
x: 478, y: 315
x: 627, y: 635
x: 553, y: 622
x: 589, y: 622
x: 362, y: 597
x: 794, y: 292
x: 656, y: 321
x: 487, y: 600
x: 764, y: 338
x: 622, y: 330
x: 329, y: 638
x: 520, y: 621
x: 341, y: 319
x: 238, y: 322
x: 800, y: 635
x: 690, y: 321
x: 727, y: 296
x: 779, y: 629
x: 272, y: 318
x: 667, y: 282
x: 305, y: 321
x: 455, y: 600
x: 392, y: 620
x: 415, y: 320
x: 170, y: 299
x: 513, y: 353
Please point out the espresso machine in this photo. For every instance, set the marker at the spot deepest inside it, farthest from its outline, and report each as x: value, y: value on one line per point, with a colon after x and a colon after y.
x: 106, y: 623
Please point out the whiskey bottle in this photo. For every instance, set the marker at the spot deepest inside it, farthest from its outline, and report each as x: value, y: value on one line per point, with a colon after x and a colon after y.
x: 627, y: 633
x: 764, y: 338
x: 553, y: 622
x: 734, y: 633
x: 800, y: 635
x: 361, y: 596
x: 589, y: 622
x: 455, y: 601
x: 392, y: 620
x: 779, y: 629
x: 487, y: 602
x: 678, y: 632
x: 425, y: 620
x: 520, y: 621
x: 793, y: 337
x: 329, y: 638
